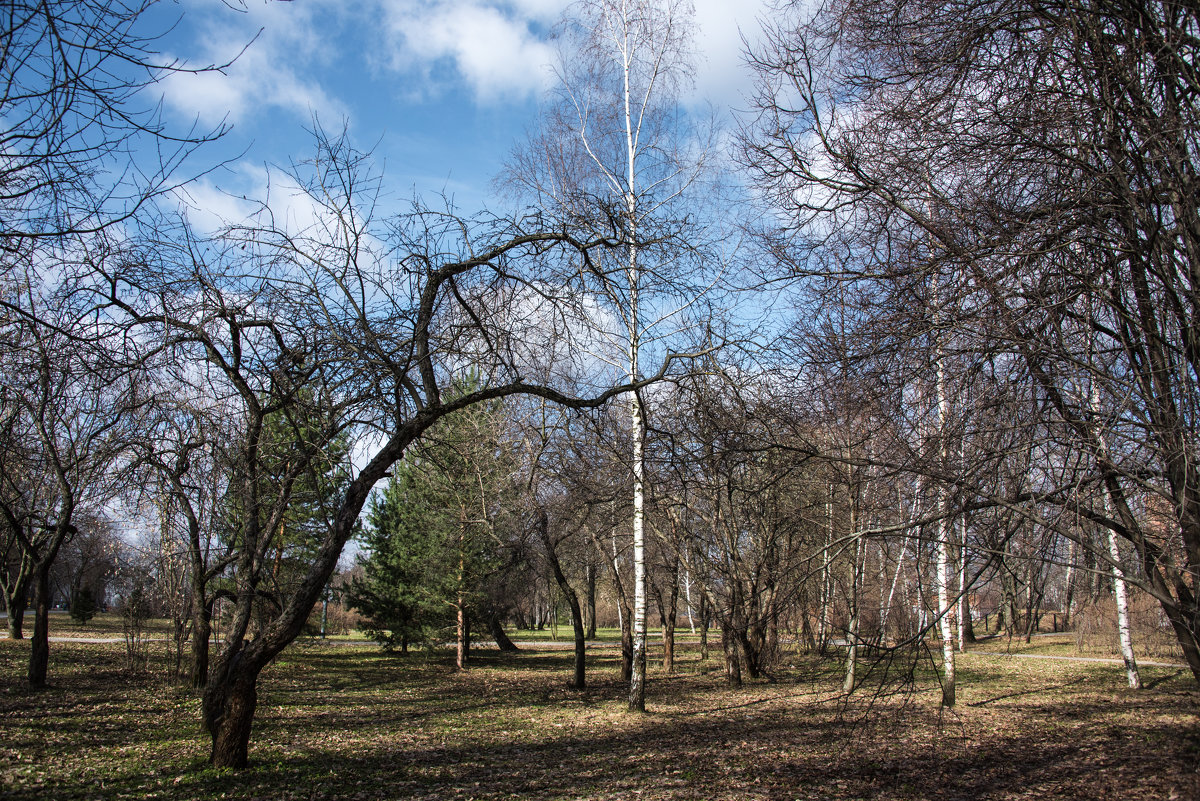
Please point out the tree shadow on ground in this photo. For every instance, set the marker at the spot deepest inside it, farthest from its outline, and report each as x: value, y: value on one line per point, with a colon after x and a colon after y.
x: 332, y: 727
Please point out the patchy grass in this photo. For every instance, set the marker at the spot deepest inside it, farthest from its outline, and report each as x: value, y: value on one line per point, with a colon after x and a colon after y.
x: 563, y: 633
x: 351, y: 723
x: 1066, y: 644
x: 1062, y: 644
x: 104, y: 624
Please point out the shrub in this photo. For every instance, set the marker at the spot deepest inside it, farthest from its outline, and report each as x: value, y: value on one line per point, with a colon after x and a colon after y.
x: 83, y: 606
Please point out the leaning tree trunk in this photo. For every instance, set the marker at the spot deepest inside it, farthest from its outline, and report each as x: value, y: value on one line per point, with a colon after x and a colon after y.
x: 626, y: 644
x: 496, y: 629
x: 1124, y: 630
x: 580, y: 680
x: 16, y: 599
x: 16, y: 620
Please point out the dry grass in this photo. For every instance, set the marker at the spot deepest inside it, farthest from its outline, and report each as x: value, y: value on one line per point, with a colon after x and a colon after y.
x: 347, y: 722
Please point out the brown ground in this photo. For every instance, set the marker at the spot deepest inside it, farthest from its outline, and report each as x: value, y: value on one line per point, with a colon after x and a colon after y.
x: 349, y: 723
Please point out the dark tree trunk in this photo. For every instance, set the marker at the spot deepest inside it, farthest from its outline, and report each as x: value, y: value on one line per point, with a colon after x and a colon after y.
x: 591, y: 601
x: 626, y: 644
x: 1008, y: 604
x: 16, y: 621
x: 580, y: 680
x: 968, y: 626
x: 201, y: 637
x: 39, y: 652
x: 496, y: 629
x: 229, y: 703
x: 704, y: 619
x: 16, y: 600
x: 752, y: 653
x: 733, y: 664
x: 668, y: 613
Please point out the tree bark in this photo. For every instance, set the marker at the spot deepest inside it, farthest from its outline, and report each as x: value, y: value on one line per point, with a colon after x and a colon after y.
x: 668, y: 631
x: 496, y: 628
x: 626, y: 646
x: 229, y: 704
x: 16, y: 599
x: 591, y: 601
x: 668, y: 610
x: 1124, y: 631
x: 39, y: 653
x: 16, y: 621
x: 637, y: 682
x: 201, y: 638
x: 580, y: 680
x: 733, y: 664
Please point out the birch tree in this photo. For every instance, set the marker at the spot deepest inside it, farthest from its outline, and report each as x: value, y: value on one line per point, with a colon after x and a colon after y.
x: 617, y: 152
x: 344, y: 327
x: 1058, y: 143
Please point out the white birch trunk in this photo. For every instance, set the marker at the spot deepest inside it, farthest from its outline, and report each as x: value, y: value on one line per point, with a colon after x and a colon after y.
x: 1124, y: 631
x: 945, y: 556
x: 616, y: 567
x: 1123, y: 628
x: 823, y: 620
x: 850, y: 681
x: 962, y: 584
x: 637, y: 686
x: 881, y: 582
x: 687, y: 594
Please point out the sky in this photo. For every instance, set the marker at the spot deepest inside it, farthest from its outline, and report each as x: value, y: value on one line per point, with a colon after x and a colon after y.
x: 439, y: 90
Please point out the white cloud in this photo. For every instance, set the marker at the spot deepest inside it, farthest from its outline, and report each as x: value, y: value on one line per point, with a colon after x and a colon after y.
x: 722, y: 77
x: 273, y: 47
x: 209, y: 207
x: 546, y: 11
x: 248, y: 191
x: 499, y: 50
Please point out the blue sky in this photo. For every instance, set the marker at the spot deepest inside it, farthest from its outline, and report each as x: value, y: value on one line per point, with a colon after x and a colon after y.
x: 439, y: 89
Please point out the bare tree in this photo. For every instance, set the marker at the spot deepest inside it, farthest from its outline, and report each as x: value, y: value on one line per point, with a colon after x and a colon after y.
x: 76, y: 119
x: 184, y: 459
x: 346, y: 327
x: 617, y: 154
x: 1044, y: 157
x: 66, y: 414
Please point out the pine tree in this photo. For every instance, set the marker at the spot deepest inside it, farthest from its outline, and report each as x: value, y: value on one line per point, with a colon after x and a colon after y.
x: 407, y: 577
x: 433, y: 535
